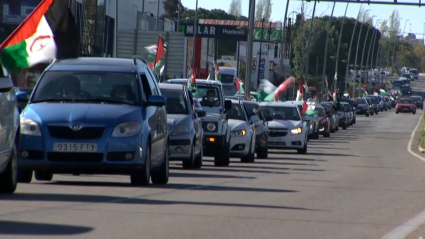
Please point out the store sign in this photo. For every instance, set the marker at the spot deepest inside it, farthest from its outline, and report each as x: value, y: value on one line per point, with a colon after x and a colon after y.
x: 263, y: 34
x: 262, y: 73
x: 237, y: 23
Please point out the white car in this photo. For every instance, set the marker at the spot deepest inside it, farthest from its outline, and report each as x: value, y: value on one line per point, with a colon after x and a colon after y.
x: 287, y: 130
x: 242, y: 136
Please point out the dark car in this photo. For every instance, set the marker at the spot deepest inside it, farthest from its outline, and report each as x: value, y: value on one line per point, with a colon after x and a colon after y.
x: 408, y: 76
x: 332, y: 118
x: 419, y: 101
x: 369, y: 102
x: 397, y: 83
x: 261, y: 127
x: 406, y: 90
x: 352, y: 107
x: 97, y: 116
x: 362, y: 106
x: 405, y: 104
x: 414, y: 72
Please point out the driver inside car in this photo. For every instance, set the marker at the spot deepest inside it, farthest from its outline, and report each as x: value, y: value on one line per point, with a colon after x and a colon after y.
x: 209, y: 99
x: 71, y: 87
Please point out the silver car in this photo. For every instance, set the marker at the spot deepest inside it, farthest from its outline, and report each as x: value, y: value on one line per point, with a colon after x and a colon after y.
x: 312, y: 121
x: 242, y: 136
x: 185, y: 126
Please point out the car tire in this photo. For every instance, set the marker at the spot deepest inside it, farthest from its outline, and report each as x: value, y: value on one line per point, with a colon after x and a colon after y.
x: 198, y: 159
x: 414, y: 113
x: 190, y: 162
x: 9, y: 178
x: 396, y: 112
x: 327, y: 135
x: 367, y: 114
x: 40, y: 175
x: 263, y: 152
x: 316, y: 135
x: 332, y: 130
x: 354, y: 120
x: 222, y: 157
x: 344, y: 126
x: 376, y: 112
x: 386, y: 109
x: 25, y: 176
x: 250, y: 158
x: 303, y: 150
x: 142, y: 177
x: 162, y: 174
x: 337, y: 128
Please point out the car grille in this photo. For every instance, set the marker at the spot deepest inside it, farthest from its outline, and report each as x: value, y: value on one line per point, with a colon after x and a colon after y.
x: 75, y: 157
x: 278, y: 132
x: 204, y: 127
x: 65, y: 132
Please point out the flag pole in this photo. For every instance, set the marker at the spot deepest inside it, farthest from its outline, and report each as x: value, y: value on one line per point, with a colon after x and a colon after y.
x: 325, y: 56
x: 116, y: 30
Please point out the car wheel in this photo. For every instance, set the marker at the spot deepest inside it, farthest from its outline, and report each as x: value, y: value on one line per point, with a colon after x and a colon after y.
x: 24, y: 176
x: 250, y: 158
x: 316, y: 135
x: 414, y: 113
x: 327, y: 135
x: 367, y: 114
x: 9, y: 178
x: 376, y: 112
x: 354, y: 120
x: 336, y: 128
x: 161, y: 175
x: 344, y: 126
x: 396, y: 112
x: 41, y: 175
x: 332, y: 130
x: 198, y: 159
x: 143, y: 176
x: 303, y: 150
x: 189, y: 163
x: 263, y: 152
x: 222, y: 157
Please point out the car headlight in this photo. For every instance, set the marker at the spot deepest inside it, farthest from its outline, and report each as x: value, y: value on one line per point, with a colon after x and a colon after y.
x: 127, y: 129
x: 29, y: 127
x: 238, y: 133
x: 179, y: 130
x: 211, y: 127
x: 296, y: 131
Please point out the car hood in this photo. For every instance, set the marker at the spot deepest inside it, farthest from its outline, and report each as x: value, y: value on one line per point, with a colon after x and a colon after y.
x: 104, y: 114
x: 212, y: 117
x: 236, y: 124
x: 288, y: 124
x: 174, y: 119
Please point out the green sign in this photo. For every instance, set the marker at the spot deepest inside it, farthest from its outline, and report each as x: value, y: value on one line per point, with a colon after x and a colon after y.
x: 274, y: 36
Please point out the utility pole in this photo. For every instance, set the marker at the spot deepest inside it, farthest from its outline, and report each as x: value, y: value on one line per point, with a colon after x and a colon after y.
x: 337, y: 52
x: 349, y: 52
x: 309, y: 42
x: 250, y: 39
x: 325, y: 56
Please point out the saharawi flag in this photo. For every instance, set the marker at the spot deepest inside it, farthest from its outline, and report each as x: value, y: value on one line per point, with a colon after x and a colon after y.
x: 49, y: 32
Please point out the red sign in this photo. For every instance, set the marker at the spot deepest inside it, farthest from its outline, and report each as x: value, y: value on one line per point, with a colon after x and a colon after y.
x: 237, y: 23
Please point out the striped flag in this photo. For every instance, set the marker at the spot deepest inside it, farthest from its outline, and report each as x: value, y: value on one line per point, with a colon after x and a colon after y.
x: 49, y: 32
x: 191, y: 80
x: 217, y: 72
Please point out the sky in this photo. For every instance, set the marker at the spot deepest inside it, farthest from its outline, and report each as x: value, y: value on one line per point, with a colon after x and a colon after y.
x: 411, y: 13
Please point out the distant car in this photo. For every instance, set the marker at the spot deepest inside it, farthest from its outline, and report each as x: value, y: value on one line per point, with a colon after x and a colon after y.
x: 98, y: 116
x: 243, y: 134
x: 261, y: 127
x: 408, y: 76
x: 184, y: 126
x: 9, y: 117
x: 415, y: 73
x: 331, y: 117
x: 344, y: 118
x: 352, y: 107
x: 406, y: 90
x: 375, y: 103
x: 418, y: 101
x: 312, y: 121
x: 362, y: 107
x: 387, y: 102
x: 331, y: 107
x: 405, y: 104
x: 325, y: 123
x: 287, y: 130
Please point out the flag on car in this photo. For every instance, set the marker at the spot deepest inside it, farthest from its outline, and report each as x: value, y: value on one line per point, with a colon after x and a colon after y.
x: 239, y: 85
x: 156, y: 53
x: 283, y: 86
x: 191, y: 80
x: 327, y: 83
x: 49, y: 32
x: 217, y: 72
x: 265, y: 89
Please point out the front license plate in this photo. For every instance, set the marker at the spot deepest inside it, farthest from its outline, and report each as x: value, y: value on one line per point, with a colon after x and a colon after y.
x: 275, y: 139
x: 75, y: 147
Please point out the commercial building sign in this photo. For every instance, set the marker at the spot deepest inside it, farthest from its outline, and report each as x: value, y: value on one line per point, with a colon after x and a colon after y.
x: 237, y: 23
x: 229, y: 32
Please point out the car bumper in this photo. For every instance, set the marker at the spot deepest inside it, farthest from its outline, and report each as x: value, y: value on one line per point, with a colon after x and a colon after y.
x: 111, y: 156
x: 180, y: 147
x: 239, y: 146
x: 362, y: 111
x: 410, y: 110
x: 211, y: 142
x: 287, y: 142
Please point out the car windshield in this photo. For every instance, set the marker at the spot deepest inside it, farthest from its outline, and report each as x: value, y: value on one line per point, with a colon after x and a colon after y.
x: 282, y: 112
x: 227, y: 78
x: 176, y: 103
x: 209, y: 98
x: 236, y: 113
x: 320, y: 111
x: 88, y: 87
x: 360, y: 101
x: 405, y: 101
x: 373, y: 100
x: 417, y: 99
x: 397, y: 83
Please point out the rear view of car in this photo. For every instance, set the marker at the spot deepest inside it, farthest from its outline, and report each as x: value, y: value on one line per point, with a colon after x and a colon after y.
x: 362, y: 107
x: 415, y: 73
x: 405, y: 105
x: 418, y: 101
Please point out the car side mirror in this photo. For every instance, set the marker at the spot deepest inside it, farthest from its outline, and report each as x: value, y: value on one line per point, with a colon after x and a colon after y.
x: 22, y: 96
x: 227, y: 104
x: 269, y: 118
x: 156, y: 100
x: 201, y: 113
x: 255, y: 119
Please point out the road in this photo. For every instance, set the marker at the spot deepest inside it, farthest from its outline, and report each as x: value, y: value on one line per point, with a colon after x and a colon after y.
x: 360, y: 183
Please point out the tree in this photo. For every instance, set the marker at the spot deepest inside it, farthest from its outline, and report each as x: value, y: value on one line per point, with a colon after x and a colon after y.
x: 267, y: 10
x: 171, y: 8
x: 235, y: 8
x: 259, y: 11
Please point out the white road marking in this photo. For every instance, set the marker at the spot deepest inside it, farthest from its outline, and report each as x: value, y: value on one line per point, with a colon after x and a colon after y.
x: 408, y: 227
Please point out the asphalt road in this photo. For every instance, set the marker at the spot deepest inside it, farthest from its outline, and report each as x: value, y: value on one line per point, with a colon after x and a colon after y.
x: 360, y: 183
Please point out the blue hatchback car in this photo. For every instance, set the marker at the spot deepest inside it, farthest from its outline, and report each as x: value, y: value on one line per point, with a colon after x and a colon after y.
x: 95, y: 116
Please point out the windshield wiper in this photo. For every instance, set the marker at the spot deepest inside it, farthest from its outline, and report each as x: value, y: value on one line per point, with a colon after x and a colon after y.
x: 52, y: 100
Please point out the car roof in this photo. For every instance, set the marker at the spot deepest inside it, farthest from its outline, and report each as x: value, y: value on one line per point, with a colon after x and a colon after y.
x: 166, y: 86
x: 94, y: 64
x: 198, y: 82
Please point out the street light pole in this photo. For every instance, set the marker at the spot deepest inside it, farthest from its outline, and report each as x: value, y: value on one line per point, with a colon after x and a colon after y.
x: 309, y: 42
x: 195, y: 30
x: 349, y: 52
x: 372, y: 42
x: 325, y: 57
x: 261, y: 46
x: 364, y: 46
x: 357, y: 53
x: 249, y: 46
x: 337, y: 51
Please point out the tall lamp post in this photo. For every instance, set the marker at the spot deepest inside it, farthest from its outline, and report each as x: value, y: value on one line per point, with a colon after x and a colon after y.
x: 364, y: 46
x: 325, y: 57
x: 349, y: 51
x: 337, y: 51
x: 250, y: 39
x: 357, y: 53
x: 372, y: 42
